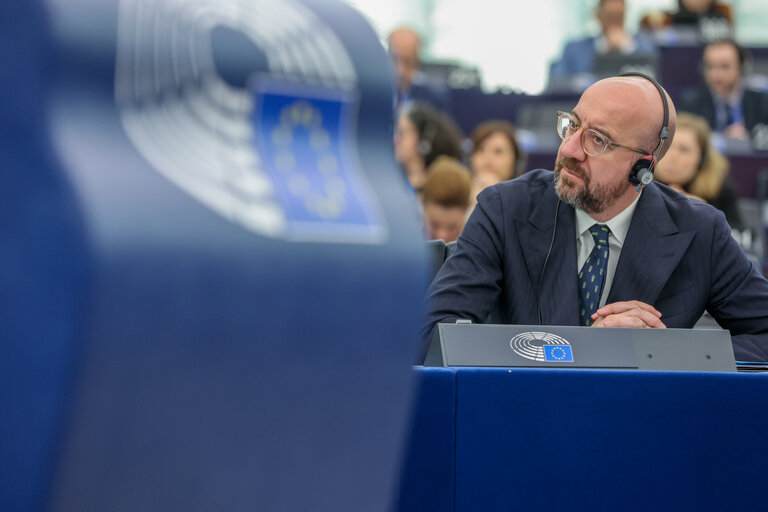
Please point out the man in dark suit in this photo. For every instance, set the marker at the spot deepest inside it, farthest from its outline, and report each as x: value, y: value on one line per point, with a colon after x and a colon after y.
x: 723, y: 101
x: 412, y: 84
x: 614, y: 39
x: 618, y: 257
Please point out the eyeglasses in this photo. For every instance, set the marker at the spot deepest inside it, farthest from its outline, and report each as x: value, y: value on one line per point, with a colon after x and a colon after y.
x: 593, y: 142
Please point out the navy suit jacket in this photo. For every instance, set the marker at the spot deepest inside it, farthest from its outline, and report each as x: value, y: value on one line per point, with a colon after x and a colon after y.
x: 699, y: 101
x: 678, y: 256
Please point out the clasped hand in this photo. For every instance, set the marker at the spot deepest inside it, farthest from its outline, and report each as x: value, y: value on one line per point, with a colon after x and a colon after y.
x: 631, y: 313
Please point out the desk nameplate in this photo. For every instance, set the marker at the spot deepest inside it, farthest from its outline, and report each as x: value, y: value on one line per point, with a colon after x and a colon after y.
x: 581, y: 347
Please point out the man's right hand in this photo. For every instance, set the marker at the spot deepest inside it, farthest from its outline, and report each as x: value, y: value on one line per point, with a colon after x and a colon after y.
x: 631, y: 313
x: 735, y: 131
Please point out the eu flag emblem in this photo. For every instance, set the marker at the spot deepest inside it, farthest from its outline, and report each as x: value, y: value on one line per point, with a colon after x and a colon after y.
x: 558, y: 353
x: 307, y: 138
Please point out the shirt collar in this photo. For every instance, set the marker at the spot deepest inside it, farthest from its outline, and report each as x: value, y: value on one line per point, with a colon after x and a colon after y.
x: 619, y: 225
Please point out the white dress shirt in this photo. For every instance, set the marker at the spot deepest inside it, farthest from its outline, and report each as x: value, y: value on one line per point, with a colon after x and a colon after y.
x: 619, y: 225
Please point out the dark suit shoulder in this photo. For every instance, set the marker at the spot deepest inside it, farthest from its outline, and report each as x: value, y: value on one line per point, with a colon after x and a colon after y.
x: 498, y: 205
x: 688, y: 213
x: 520, y: 194
x: 758, y: 97
x: 576, y: 58
x: 757, y: 103
x: 533, y: 182
x: 692, y: 99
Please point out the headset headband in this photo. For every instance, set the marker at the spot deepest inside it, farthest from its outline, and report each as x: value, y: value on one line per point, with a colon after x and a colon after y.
x: 664, y: 134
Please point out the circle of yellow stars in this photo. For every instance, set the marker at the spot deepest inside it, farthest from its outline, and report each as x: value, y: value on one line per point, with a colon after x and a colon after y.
x: 558, y: 353
x: 329, y: 202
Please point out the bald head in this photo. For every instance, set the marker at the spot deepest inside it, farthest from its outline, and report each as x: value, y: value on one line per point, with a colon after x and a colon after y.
x: 404, y: 46
x: 405, y: 36
x: 636, y: 107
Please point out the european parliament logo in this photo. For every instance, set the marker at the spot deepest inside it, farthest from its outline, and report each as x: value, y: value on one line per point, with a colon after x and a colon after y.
x: 274, y: 151
x: 542, y: 346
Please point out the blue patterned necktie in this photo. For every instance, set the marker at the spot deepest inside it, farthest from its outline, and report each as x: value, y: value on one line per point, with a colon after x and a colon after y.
x: 592, y: 275
x: 728, y: 115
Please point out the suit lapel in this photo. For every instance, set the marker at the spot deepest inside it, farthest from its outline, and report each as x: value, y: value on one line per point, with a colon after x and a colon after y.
x: 559, y: 294
x: 750, y: 109
x: 708, y: 109
x: 651, y: 251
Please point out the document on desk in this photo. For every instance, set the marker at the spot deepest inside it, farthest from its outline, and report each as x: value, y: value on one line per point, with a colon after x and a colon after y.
x: 752, y: 366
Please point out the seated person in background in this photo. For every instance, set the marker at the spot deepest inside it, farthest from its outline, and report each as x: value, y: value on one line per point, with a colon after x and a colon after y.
x: 446, y: 199
x: 412, y: 84
x: 657, y: 259
x: 579, y: 56
x: 494, y: 154
x: 422, y: 134
x: 694, y: 167
x: 723, y: 101
x: 710, y: 17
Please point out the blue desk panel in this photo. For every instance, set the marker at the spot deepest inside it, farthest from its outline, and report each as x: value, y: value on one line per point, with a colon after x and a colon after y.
x: 530, y: 439
x: 610, y: 440
x: 428, y: 476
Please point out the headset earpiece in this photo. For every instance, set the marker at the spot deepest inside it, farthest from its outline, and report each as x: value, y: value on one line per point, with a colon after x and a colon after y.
x: 641, y: 173
x: 425, y: 142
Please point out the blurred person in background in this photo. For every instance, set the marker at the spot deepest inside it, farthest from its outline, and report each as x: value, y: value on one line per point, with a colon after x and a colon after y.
x: 690, y: 13
x: 445, y: 198
x: 421, y: 135
x: 412, y: 84
x: 728, y: 107
x: 495, y: 153
x: 694, y: 167
x: 614, y: 38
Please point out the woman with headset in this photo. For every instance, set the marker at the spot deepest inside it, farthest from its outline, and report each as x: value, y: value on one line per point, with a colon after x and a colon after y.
x: 421, y: 135
x: 694, y: 167
x: 495, y: 155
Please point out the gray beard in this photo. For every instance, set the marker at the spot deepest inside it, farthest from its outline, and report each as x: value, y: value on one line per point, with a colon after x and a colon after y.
x: 589, y: 199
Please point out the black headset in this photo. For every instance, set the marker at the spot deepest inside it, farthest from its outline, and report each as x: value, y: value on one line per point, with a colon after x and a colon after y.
x: 641, y: 173
x: 427, y: 136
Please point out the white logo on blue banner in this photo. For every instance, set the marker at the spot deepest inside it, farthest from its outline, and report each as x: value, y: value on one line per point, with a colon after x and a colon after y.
x: 296, y: 178
x: 542, y: 346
